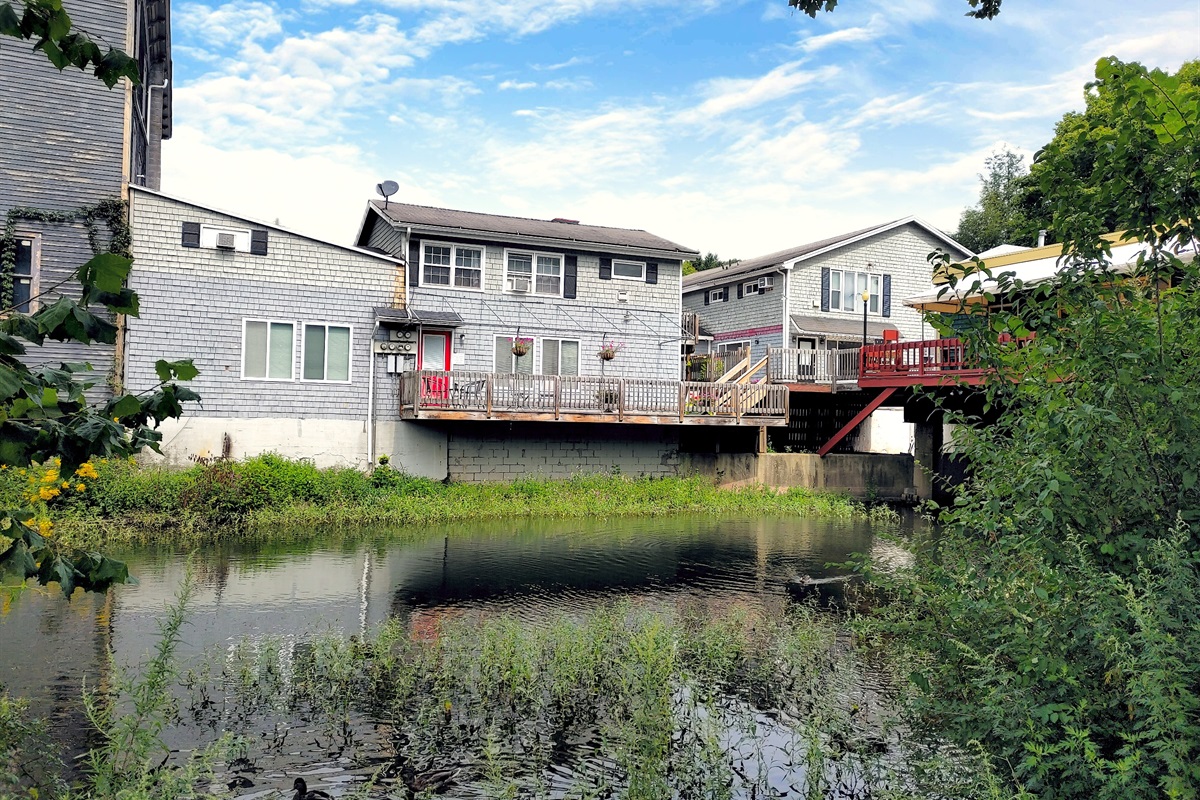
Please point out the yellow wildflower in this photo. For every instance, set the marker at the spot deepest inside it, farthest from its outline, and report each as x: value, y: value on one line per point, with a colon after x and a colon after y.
x: 79, y: 487
x: 86, y: 471
x: 45, y: 527
x: 48, y: 493
x: 51, y: 476
x: 66, y: 484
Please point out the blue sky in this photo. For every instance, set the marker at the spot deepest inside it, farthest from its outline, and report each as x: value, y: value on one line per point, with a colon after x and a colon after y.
x: 735, y: 127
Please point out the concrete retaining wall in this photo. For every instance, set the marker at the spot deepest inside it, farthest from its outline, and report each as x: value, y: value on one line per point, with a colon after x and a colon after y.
x: 531, y: 451
x: 882, y: 476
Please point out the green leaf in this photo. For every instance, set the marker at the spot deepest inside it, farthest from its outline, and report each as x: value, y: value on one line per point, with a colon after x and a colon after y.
x: 107, y: 272
x: 125, y: 406
x: 11, y: 382
x: 178, y: 370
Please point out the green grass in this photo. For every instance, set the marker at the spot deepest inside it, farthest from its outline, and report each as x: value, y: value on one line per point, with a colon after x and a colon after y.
x: 272, y: 496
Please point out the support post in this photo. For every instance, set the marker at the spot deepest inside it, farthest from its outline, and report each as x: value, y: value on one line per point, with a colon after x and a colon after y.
x: 682, y: 400
x: 488, y: 389
x: 858, y: 418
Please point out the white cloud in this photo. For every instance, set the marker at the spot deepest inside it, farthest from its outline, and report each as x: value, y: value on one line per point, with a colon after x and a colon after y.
x: 726, y: 95
x: 573, y: 61
x: 855, y: 35
x: 230, y: 23
x: 516, y: 85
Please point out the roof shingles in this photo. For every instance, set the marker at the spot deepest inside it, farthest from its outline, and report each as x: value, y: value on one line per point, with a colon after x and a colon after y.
x: 566, y: 232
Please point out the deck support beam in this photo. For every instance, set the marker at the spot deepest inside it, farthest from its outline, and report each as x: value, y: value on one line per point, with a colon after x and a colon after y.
x: 858, y: 418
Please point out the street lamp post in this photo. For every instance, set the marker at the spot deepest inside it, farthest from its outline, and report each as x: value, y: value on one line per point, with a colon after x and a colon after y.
x: 866, y: 296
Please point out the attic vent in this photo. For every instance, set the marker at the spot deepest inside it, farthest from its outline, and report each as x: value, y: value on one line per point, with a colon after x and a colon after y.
x: 565, y: 221
x: 226, y: 241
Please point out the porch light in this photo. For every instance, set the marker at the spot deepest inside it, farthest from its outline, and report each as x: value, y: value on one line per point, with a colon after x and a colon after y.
x: 866, y: 296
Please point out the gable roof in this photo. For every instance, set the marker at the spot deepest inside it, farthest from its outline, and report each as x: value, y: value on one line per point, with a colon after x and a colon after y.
x: 362, y: 251
x: 801, y: 253
x: 496, y: 227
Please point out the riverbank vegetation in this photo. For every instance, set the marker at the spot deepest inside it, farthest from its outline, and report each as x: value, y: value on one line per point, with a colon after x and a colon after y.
x: 118, y: 501
x: 697, y: 699
x: 1057, y: 619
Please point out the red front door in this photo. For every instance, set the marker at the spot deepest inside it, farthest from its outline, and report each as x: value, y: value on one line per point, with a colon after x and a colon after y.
x: 434, y: 355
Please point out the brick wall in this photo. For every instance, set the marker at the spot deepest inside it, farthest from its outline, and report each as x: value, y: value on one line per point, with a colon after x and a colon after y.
x: 560, y: 451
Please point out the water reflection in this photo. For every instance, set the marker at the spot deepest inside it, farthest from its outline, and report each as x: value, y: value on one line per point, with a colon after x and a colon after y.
x: 533, y: 569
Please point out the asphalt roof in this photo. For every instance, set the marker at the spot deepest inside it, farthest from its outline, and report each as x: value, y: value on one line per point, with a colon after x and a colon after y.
x: 715, y: 277
x: 837, y: 327
x: 516, y: 227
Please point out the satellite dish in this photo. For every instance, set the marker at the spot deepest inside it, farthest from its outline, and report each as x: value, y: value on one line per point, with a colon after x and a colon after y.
x: 387, y: 189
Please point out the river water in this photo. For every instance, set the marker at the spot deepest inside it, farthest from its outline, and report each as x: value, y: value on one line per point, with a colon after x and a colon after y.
x: 532, y: 569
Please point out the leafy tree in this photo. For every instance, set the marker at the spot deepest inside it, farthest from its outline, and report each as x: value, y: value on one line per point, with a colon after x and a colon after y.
x: 1079, y: 139
x: 45, y: 416
x: 1056, y: 620
x: 999, y: 216
x: 980, y: 9
x: 709, y: 261
x: 48, y: 25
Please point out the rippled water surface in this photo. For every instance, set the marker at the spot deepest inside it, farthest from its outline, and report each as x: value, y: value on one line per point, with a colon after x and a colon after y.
x: 535, y: 570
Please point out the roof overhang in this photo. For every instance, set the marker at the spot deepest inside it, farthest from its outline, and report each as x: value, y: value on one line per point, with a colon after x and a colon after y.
x: 837, y: 328
x: 412, y: 316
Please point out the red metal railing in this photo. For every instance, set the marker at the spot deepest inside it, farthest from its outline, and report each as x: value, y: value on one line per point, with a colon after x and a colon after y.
x: 924, y: 361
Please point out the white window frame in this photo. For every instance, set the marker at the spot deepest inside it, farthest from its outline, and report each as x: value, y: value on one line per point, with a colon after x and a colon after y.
x: 35, y: 269
x: 641, y: 278
x: 717, y: 295
x: 533, y: 273
x: 209, y: 233
x: 750, y: 287
x: 533, y: 356
x: 325, y: 360
x: 292, y: 362
x: 542, y: 359
x: 453, y: 266
x: 850, y: 277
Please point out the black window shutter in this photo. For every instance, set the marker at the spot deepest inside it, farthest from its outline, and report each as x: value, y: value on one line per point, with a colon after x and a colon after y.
x: 706, y: 293
x: 887, y: 295
x: 191, y: 234
x: 414, y: 263
x: 725, y: 295
x: 258, y: 242
x: 605, y: 269
x: 740, y: 290
x: 570, y: 275
x: 651, y: 272
x: 824, y: 288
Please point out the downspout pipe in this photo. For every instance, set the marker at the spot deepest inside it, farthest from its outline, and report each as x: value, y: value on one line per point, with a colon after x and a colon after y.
x: 371, y: 396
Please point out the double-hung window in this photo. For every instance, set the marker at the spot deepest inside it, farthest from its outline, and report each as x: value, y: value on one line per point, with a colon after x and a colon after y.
x: 268, y: 350
x: 509, y: 363
x: 326, y: 353
x: 25, y: 270
x: 539, y: 273
x: 629, y: 270
x: 846, y: 289
x: 435, y: 265
x: 444, y: 264
x: 468, y: 267
x: 560, y: 357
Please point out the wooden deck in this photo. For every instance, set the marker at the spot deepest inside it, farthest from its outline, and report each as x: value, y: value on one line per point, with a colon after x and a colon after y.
x: 463, y: 395
x: 931, y: 362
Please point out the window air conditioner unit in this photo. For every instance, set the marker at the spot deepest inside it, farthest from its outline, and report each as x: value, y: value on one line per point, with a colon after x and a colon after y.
x: 766, y: 282
x: 519, y: 284
x: 226, y: 241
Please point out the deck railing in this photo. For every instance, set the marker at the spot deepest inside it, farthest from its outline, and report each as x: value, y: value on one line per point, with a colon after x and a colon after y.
x: 792, y: 365
x: 710, y: 366
x: 553, y: 396
x: 930, y: 357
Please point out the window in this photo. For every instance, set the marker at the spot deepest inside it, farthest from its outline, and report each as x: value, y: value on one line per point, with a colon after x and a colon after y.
x: 718, y: 295
x: 846, y: 288
x: 468, y: 267
x: 435, y: 265
x: 268, y: 350
x: 560, y: 357
x: 727, y: 347
x: 750, y: 288
x: 326, y: 353
x: 507, y: 362
x: 533, y: 272
x: 25, y: 271
x: 629, y: 270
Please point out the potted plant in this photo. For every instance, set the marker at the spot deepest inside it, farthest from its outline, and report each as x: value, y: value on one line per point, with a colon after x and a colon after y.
x: 520, y: 345
x: 608, y: 350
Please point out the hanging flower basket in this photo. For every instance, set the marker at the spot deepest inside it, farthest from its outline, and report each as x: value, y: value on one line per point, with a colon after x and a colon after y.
x: 520, y: 346
x: 608, y: 350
